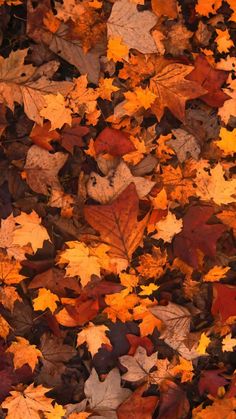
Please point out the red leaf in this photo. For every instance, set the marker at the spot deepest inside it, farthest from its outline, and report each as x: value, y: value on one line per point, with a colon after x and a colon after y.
x: 173, y: 402
x: 224, y: 302
x: 138, y: 407
x: 83, y: 311
x: 136, y: 341
x: 196, y: 234
x: 210, y: 381
x: 114, y: 142
x: 72, y: 136
x: 211, y: 80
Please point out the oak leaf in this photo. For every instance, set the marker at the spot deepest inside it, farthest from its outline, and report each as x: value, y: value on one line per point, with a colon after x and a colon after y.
x: 132, y: 26
x: 24, y: 353
x: 106, y: 189
x: 28, y: 403
x: 173, y: 90
x: 94, y: 336
x: 117, y: 223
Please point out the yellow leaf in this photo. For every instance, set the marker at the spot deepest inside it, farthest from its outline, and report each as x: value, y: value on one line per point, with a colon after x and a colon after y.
x: 224, y: 43
x: 30, y: 231
x: 228, y: 343
x: 152, y: 266
x: 94, y: 336
x: 228, y: 141
x: 56, y: 111
x: 128, y: 280
x: 134, y: 157
x: 24, y: 353
x: 4, y: 328
x: 84, y: 261
x: 203, y: 344
x: 119, y: 305
x: 57, y: 412
x: 9, y: 270
x: 160, y: 201
x: 83, y: 99
x: 185, y: 368
x: 46, y: 299
x: 148, y: 289
x: 117, y: 51
x: 216, y: 274
x: 138, y: 99
x: 28, y: 403
x: 168, y: 228
x: 106, y: 88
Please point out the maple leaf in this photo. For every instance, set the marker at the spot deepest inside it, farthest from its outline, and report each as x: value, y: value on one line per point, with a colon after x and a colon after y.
x: 138, y: 366
x: 161, y: 8
x: 214, y: 186
x: 205, y: 8
x: 42, y: 136
x: 117, y: 50
x: 83, y: 99
x: 177, y: 326
x: 223, y: 304
x: 228, y: 343
x: 211, y: 80
x: 114, y: 142
x: 18, y: 84
x: 28, y: 403
x: 107, y: 395
x: 119, y: 305
x: 137, y: 406
x: 46, y: 299
x: 72, y: 136
x: 55, y: 280
x: 30, y: 231
x: 184, y: 144
x: 210, y: 381
x: 224, y: 43
x: 4, y: 328
x: 138, y: 99
x: 152, y: 266
x: 24, y: 353
x: 117, y: 223
x: 173, y: 90
x: 216, y: 274
x: 221, y: 408
x: 227, y: 143
x: 197, y: 234
x: 55, y: 111
x: 42, y: 169
x: 94, y: 336
x: 179, y: 182
x: 106, y: 88
x: 168, y: 228
x: 228, y: 218
x: 106, y: 189
x: 132, y: 26
x: 8, y: 297
x: 57, y: 412
x: 9, y: 270
x: 84, y: 261
x: 203, y: 344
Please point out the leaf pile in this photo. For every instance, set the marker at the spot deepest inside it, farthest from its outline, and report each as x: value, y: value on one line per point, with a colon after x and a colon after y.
x: 117, y: 209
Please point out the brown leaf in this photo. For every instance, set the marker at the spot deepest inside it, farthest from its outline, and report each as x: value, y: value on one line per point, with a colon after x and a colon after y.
x: 72, y: 136
x: 137, y: 406
x: 55, y: 280
x: 42, y: 136
x: 117, y: 223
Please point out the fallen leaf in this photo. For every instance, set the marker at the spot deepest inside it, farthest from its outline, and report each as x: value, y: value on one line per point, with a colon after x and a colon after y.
x: 94, y: 336
x: 132, y: 26
x: 114, y: 142
x: 55, y: 111
x: 28, y: 403
x: 138, y: 366
x: 203, y: 344
x: 137, y: 406
x: 107, y: 395
x: 42, y: 136
x: 184, y: 145
x: 117, y: 223
x: 173, y: 90
x: 24, y: 353
x: 228, y: 343
x: 42, y: 169
x: 197, y: 234
x: 106, y: 189
x: 46, y: 299
x: 223, y: 305
x: 168, y: 228
x: 216, y: 274
x: 227, y: 141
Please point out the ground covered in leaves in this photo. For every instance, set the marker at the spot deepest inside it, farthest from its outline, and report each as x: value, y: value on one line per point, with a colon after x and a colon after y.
x: 118, y: 209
